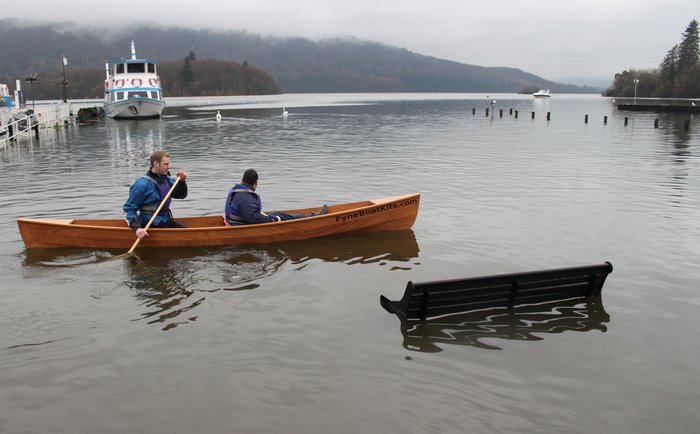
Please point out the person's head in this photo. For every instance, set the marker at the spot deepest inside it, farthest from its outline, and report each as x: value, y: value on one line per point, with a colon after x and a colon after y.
x: 250, y: 177
x: 160, y: 162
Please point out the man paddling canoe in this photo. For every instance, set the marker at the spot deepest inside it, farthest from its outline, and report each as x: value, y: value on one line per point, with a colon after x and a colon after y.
x: 147, y: 193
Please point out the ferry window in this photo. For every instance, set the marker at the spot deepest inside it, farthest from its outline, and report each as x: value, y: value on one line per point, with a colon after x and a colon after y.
x: 119, y: 68
x: 135, y: 67
x: 121, y: 95
x: 152, y: 67
x: 138, y: 94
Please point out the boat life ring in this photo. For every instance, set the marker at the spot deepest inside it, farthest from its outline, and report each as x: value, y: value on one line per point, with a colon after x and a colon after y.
x: 153, y: 81
x: 119, y: 83
x: 136, y: 82
x: 106, y: 84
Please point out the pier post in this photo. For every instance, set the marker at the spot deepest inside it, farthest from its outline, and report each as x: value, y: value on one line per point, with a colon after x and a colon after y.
x: 511, y: 111
x: 585, y: 119
x: 533, y: 115
x: 626, y: 120
x: 687, y: 124
x: 656, y: 123
x: 487, y: 112
x: 605, y: 120
x: 516, y: 114
x: 500, y: 113
x: 548, y: 116
x: 473, y: 111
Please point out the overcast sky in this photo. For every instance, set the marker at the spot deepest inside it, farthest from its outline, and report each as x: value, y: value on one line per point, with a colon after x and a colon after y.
x: 554, y: 39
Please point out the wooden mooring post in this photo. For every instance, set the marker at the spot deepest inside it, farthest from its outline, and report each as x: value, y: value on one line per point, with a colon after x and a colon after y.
x: 548, y: 116
x: 533, y: 115
x: 687, y: 124
x: 605, y: 120
x: 516, y: 114
x: 656, y: 123
x: 626, y: 120
x: 585, y: 119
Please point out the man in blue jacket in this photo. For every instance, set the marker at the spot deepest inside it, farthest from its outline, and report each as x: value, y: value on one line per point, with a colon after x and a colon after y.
x: 148, y: 191
x: 244, y: 206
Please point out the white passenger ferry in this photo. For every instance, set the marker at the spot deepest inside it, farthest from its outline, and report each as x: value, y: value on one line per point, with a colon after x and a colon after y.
x: 132, y: 89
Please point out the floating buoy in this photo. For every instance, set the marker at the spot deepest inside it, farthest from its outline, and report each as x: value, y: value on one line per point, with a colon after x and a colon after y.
x: 218, y: 116
x: 284, y: 112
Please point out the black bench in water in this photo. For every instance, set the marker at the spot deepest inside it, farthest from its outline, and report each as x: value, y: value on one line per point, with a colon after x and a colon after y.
x: 431, y: 299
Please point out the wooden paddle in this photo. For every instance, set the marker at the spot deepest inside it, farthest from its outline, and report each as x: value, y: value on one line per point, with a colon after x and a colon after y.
x: 148, y: 225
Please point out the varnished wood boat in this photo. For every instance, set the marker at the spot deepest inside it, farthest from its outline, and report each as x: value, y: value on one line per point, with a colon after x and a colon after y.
x: 387, y: 214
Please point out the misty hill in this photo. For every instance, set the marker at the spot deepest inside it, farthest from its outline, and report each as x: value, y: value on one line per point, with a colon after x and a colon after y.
x: 297, y: 64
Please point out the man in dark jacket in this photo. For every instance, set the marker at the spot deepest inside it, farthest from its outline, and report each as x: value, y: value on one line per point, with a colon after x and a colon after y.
x: 148, y: 191
x: 244, y: 206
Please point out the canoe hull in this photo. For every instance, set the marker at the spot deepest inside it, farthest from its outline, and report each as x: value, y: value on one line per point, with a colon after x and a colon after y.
x: 387, y: 214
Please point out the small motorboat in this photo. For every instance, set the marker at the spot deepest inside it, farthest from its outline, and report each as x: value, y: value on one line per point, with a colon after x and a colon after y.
x: 542, y: 93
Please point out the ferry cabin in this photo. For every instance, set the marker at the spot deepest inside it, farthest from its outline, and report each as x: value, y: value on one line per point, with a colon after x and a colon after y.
x: 133, y: 90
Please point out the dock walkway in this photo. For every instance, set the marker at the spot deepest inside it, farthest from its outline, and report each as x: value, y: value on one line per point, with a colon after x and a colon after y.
x: 661, y: 107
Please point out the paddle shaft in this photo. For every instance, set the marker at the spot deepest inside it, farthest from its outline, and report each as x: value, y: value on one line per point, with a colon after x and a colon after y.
x: 148, y: 225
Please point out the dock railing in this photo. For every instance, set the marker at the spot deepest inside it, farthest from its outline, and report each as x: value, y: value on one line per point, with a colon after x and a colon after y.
x: 15, y: 124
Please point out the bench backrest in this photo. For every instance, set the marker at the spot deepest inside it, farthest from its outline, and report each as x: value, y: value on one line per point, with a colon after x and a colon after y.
x: 431, y: 299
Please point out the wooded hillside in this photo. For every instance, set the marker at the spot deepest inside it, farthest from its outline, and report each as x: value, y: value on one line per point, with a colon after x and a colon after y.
x: 295, y: 64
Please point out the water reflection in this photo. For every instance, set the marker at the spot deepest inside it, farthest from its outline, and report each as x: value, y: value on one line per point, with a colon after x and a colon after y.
x: 356, y: 248
x: 518, y: 323
x: 128, y: 140
x: 172, y: 283
x: 678, y: 135
x: 381, y: 248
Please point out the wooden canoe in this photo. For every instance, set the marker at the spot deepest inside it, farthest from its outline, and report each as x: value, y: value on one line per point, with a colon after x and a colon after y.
x: 387, y: 214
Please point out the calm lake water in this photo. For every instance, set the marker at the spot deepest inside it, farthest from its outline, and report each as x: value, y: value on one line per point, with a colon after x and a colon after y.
x: 291, y: 337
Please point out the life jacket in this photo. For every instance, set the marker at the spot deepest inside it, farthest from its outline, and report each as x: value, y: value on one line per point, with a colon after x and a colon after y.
x: 231, y: 212
x: 163, y: 189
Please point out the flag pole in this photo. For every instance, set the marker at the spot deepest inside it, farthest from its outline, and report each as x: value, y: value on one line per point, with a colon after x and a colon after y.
x: 64, y: 83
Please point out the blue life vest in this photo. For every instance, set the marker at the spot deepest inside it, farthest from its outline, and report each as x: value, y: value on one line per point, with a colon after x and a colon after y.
x: 231, y: 212
x: 163, y: 189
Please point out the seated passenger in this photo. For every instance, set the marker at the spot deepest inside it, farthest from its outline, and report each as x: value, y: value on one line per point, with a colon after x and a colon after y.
x: 244, y: 206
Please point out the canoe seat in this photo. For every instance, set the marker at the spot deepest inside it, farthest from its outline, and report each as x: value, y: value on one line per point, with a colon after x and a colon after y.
x: 431, y: 299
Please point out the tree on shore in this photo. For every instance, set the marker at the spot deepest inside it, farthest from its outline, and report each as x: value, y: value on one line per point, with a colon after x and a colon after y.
x: 678, y: 75
x: 688, y: 48
x: 186, y: 74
